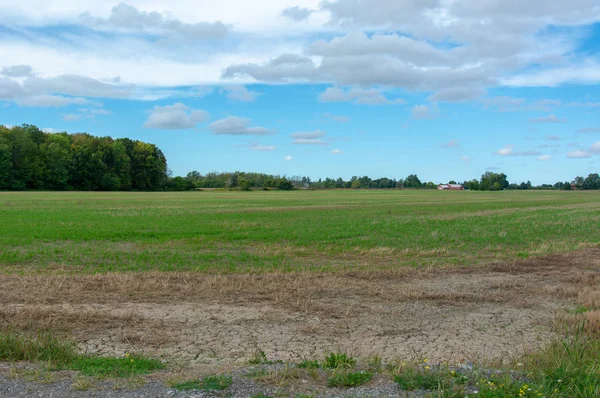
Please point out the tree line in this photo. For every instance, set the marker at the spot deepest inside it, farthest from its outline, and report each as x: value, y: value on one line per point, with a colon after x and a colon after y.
x: 33, y: 159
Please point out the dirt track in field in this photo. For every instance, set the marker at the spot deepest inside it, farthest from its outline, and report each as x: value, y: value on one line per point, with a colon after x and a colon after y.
x: 454, y: 314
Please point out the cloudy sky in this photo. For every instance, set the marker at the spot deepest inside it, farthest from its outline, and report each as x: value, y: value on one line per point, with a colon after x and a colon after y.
x: 446, y: 89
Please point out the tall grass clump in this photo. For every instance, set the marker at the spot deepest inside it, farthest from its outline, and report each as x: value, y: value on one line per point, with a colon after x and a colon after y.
x: 42, y: 346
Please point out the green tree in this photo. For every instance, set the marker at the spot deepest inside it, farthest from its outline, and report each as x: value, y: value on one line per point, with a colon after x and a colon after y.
x: 412, y: 181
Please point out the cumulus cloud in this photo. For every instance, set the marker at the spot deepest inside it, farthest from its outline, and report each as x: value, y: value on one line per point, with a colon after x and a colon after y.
x: 288, y: 158
x: 357, y: 96
x: 547, y: 119
x: 17, y: 71
x: 234, y: 125
x: 297, y: 13
x: 511, y: 104
x: 284, y: 68
x: 508, y: 151
x: 129, y: 18
x: 545, y: 157
x: 175, y: 117
x: 240, y: 93
x: 337, y: 152
x: 424, y: 112
x: 579, y: 154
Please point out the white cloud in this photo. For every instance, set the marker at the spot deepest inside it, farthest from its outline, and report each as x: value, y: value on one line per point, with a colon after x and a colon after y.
x: 51, y: 101
x: 579, y: 154
x: 240, y: 93
x: 261, y: 148
x: 310, y: 135
x: 175, y: 117
x: 424, y: 112
x: 128, y: 18
x: 357, y: 96
x: 234, y: 125
x: 288, y: 158
x: 309, y: 138
x: 297, y: 13
x: 508, y: 151
x: 465, y: 158
x: 545, y: 157
x: 547, y: 119
x: 337, y: 152
x: 595, y: 147
x: 17, y: 71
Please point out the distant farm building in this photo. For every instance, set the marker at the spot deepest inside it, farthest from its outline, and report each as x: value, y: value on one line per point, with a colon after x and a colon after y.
x: 451, y: 187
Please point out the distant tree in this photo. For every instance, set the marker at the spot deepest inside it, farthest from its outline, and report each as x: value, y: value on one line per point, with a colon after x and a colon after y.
x: 591, y: 182
x: 356, y: 184
x: 452, y: 182
x: 493, y: 182
x: 578, y: 182
x: 412, y: 181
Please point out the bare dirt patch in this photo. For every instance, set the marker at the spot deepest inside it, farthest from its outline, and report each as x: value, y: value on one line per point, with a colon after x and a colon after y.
x: 444, y: 314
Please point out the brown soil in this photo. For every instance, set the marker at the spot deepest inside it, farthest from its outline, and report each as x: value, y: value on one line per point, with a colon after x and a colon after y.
x: 450, y: 314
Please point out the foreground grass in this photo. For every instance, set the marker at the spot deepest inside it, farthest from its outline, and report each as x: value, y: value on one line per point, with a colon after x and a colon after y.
x: 61, y: 353
x: 566, y: 369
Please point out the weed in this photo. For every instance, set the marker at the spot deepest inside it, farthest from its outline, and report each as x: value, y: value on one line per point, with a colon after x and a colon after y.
x: 215, y: 383
x: 349, y: 379
x: 338, y: 361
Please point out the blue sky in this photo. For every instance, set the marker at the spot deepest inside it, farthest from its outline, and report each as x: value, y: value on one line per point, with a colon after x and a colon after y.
x: 442, y: 88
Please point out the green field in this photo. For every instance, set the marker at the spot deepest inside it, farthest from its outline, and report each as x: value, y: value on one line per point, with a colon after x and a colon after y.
x: 248, y: 231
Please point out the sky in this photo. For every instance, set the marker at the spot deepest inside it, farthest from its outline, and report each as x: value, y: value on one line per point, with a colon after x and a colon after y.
x: 446, y: 89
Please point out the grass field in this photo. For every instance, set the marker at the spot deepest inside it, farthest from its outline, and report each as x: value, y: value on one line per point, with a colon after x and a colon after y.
x: 386, y: 290
x: 240, y: 232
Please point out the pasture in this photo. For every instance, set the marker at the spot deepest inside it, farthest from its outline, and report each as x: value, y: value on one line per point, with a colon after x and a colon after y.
x: 275, y: 231
x: 211, y: 281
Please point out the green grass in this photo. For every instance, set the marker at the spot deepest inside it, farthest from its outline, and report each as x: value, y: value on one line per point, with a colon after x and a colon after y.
x: 15, y: 346
x: 210, y: 383
x: 567, y: 368
x: 351, y: 379
x: 253, y: 231
x: 61, y: 353
x: 133, y: 365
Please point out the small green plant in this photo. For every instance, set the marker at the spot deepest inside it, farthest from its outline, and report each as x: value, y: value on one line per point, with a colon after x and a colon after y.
x: 130, y: 365
x: 309, y: 364
x: 214, y: 383
x: 580, y: 309
x: 349, y: 379
x: 338, y: 361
